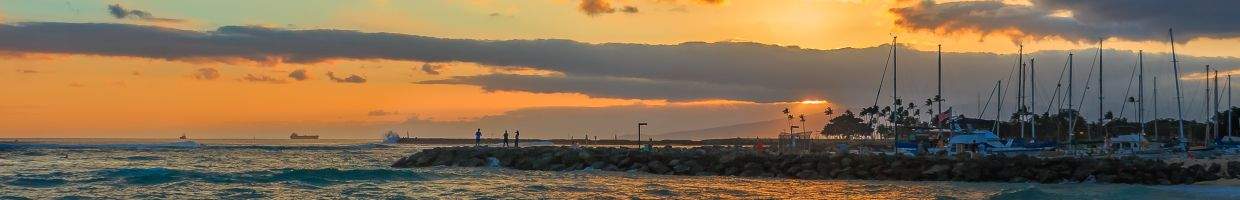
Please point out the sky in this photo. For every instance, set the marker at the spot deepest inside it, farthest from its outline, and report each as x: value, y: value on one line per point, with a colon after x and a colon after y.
x: 565, y: 68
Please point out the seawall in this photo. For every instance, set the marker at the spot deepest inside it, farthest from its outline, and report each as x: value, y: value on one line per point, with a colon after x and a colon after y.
x: 731, y: 161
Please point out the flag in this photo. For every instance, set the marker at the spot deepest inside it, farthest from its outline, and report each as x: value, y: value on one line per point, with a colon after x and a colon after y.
x: 941, y: 118
x: 641, y: 124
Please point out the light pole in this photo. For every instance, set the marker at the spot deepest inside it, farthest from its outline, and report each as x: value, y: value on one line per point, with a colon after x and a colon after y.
x: 639, y: 133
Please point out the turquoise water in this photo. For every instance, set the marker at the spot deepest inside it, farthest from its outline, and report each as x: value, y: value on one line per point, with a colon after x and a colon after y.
x: 357, y: 169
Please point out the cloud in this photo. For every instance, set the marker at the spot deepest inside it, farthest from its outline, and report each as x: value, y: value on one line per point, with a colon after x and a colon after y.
x: 352, y: 78
x: 500, y: 15
x: 299, y: 75
x: 596, y: 7
x: 27, y: 71
x: 206, y: 74
x: 380, y: 113
x: 431, y: 69
x: 721, y: 70
x: 629, y: 9
x: 1075, y: 20
x: 614, y: 87
x: 121, y: 13
x: 262, y: 79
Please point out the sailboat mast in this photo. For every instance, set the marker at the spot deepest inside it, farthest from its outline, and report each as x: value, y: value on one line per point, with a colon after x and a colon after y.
x: 1155, y: 121
x: 1206, y: 83
x: 999, y: 105
x: 938, y: 98
x: 1213, y: 112
x: 895, y: 95
x: 1020, y: 89
x: 1229, y: 105
x: 1101, y: 119
x: 1033, y: 101
x: 1179, y: 100
x: 1071, y: 110
x: 1141, y: 91
x: 895, y: 75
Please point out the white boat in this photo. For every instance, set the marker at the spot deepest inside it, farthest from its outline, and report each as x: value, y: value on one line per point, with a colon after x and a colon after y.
x: 1131, y: 144
x: 985, y: 142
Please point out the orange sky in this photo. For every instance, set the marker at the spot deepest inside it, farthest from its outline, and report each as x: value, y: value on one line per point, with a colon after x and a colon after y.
x: 70, y: 95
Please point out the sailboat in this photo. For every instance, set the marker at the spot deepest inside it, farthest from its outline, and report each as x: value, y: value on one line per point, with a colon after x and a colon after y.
x: 987, y: 142
x: 1135, y: 143
x: 922, y: 139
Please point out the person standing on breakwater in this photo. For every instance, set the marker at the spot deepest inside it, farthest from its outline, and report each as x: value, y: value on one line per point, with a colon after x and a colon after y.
x: 478, y: 138
x: 505, y: 138
x: 517, y: 142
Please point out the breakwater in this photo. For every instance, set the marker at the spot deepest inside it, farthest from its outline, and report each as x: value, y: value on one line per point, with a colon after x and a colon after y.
x: 732, y: 161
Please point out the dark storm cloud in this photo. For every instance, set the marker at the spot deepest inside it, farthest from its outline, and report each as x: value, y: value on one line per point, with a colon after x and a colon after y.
x: 206, y: 74
x: 686, y: 71
x: 1136, y: 20
x: 351, y: 78
x: 431, y: 69
x: 299, y: 75
x: 120, y: 12
x: 613, y: 87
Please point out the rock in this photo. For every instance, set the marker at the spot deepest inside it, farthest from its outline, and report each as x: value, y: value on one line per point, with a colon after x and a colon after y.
x: 682, y: 169
x: 598, y: 165
x: 493, y: 162
x: 807, y: 174
x: 1233, y: 169
x: 728, y: 158
x: 744, y: 162
x: 936, y: 169
x: 658, y: 167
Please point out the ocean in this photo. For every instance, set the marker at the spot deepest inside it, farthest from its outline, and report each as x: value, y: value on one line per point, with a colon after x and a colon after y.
x: 358, y: 169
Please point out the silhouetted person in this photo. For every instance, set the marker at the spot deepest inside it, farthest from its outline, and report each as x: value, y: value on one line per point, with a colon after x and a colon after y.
x: 505, y: 138
x: 478, y: 138
x: 517, y: 142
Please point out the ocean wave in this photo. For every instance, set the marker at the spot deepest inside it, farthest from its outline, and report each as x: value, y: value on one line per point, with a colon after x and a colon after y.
x: 316, y: 177
x: 175, y: 145
x: 186, y: 145
x: 143, y: 158
x: 1030, y: 192
x: 240, y: 193
x: 1206, y: 191
x: 37, y: 182
x: 300, y: 147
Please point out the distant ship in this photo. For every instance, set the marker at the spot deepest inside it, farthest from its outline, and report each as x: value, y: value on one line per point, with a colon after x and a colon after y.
x: 183, y: 136
x: 303, y: 137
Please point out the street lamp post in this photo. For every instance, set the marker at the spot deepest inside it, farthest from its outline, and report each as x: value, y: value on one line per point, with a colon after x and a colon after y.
x: 639, y: 133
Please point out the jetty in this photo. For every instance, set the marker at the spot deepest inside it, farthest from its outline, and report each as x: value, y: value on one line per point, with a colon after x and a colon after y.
x: 746, y: 162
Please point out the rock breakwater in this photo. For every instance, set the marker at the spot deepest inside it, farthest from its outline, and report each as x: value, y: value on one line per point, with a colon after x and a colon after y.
x: 729, y: 161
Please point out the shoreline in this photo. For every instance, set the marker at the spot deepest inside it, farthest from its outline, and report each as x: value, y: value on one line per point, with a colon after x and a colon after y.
x: 732, y: 161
